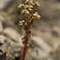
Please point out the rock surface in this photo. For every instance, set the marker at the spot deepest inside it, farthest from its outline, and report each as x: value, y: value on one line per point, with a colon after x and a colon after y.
x: 3, y: 45
x: 4, y: 3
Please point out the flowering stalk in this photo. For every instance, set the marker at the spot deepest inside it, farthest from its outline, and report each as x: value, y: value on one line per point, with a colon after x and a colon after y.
x: 27, y: 10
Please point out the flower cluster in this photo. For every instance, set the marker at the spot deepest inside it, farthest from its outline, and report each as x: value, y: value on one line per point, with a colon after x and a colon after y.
x: 27, y: 9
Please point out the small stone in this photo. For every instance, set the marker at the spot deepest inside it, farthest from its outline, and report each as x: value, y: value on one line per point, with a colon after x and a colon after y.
x: 12, y: 33
x: 43, y: 50
x: 56, y: 31
x: 2, y: 44
x: 2, y: 38
x: 55, y: 54
x: 4, y: 3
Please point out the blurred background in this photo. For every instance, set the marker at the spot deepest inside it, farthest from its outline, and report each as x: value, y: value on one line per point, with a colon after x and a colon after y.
x: 45, y: 41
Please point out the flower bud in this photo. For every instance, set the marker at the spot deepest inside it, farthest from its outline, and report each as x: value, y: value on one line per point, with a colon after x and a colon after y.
x: 36, y: 15
x: 28, y: 6
x: 21, y: 6
x: 25, y: 12
x: 36, y: 3
x: 22, y: 22
x: 27, y: 1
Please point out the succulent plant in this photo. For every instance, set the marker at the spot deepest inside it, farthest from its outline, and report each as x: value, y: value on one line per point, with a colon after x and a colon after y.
x: 27, y: 10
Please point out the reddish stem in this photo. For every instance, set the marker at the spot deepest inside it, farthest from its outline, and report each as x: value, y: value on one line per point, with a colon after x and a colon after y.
x: 25, y: 48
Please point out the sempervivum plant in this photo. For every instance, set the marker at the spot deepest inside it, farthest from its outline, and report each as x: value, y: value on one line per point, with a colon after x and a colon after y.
x: 27, y: 10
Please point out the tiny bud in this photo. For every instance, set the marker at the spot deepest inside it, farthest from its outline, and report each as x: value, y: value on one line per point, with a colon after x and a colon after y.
x: 37, y: 4
x: 28, y: 31
x: 22, y: 22
x: 28, y: 45
x: 25, y: 24
x: 36, y: 15
x: 21, y: 6
x: 25, y: 12
x: 30, y: 9
x: 28, y: 1
x: 23, y: 37
x: 23, y: 41
x: 28, y: 6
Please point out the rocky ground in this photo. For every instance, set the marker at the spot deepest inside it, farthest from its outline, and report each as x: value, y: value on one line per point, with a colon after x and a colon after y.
x: 45, y: 41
